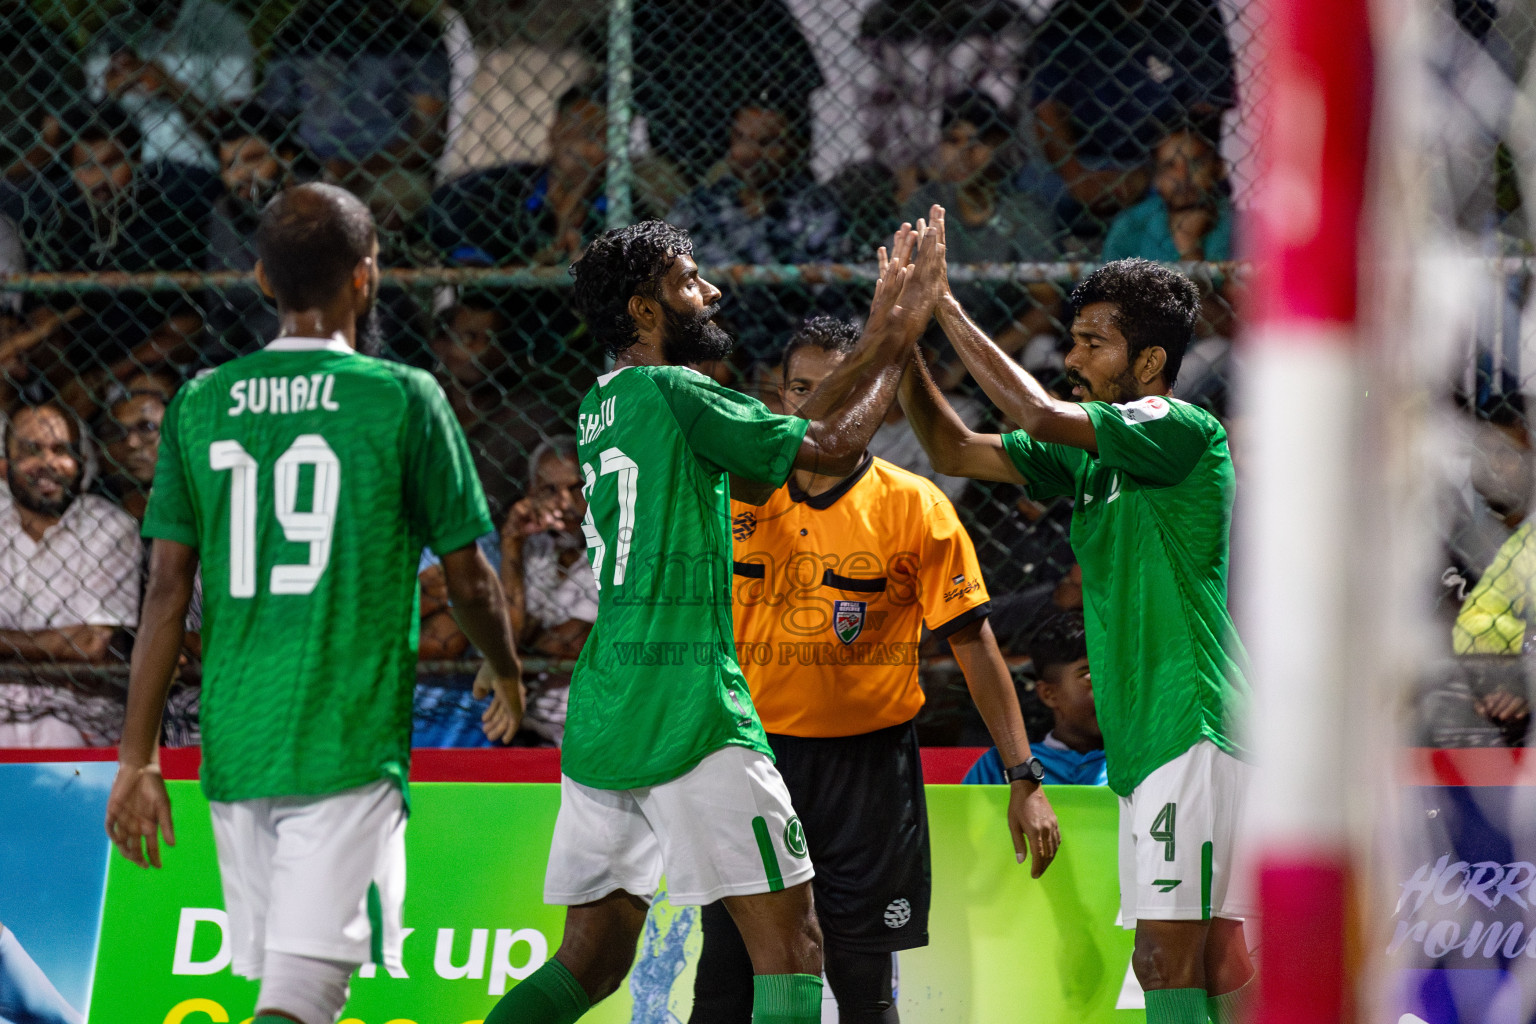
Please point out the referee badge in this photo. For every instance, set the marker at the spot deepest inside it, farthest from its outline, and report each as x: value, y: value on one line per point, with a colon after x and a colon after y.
x: 848, y: 619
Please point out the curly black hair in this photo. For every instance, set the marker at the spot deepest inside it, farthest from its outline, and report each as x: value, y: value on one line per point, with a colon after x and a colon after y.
x: 620, y: 264
x: 827, y: 333
x: 1059, y: 640
x: 1154, y: 307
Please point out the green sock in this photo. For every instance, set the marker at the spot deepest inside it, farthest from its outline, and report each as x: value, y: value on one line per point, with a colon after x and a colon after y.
x: 550, y: 995
x: 1231, y: 1007
x: 783, y: 999
x: 1171, y: 1006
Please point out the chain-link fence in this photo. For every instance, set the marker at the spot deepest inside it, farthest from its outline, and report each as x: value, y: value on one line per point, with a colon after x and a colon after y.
x: 492, y: 141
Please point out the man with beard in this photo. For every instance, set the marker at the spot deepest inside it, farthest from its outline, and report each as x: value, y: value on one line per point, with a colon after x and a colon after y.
x: 306, y: 478
x: 665, y: 766
x: 258, y: 156
x: 1152, y: 483
x: 68, y: 576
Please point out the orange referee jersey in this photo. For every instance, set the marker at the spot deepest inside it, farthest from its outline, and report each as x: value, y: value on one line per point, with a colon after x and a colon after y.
x: 832, y: 592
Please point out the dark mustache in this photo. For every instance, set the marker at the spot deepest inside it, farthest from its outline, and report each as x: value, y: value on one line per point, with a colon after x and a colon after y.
x: 1076, y: 380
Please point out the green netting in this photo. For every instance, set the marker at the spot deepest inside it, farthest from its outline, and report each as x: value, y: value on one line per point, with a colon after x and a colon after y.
x: 492, y: 141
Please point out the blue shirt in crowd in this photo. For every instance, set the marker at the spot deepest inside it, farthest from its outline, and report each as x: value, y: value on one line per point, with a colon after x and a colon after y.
x: 1142, y: 230
x: 1063, y: 766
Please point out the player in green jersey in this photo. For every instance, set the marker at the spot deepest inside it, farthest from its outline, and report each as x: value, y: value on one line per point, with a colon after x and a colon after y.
x: 666, y: 766
x: 1152, y: 482
x: 306, y: 479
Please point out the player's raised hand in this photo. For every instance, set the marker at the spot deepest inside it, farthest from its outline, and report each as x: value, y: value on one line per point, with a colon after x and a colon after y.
x: 1033, y: 826
x: 504, y: 716
x: 931, y: 281
x: 138, y: 811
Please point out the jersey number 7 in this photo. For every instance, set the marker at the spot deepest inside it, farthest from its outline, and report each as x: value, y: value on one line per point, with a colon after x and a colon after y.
x: 315, y: 527
x: 612, y: 461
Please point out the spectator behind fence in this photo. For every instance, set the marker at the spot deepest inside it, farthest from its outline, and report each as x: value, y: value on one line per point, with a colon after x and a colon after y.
x: 1073, y: 750
x: 531, y: 213
x: 1188, y: 216
x: 176, y: 66
x: 925, y: 51
x: 114, y: 211
x: 504, y: 413
x: 68, y: 578
x: 988, y: 219
x: 1497, y: 498
x: 765, y: 208
x: 1110, y: 77
x: 697, y: 62
x: 551, y: 592
x: 366, y: 82
x: 40, y: 76
x: 259, y: 155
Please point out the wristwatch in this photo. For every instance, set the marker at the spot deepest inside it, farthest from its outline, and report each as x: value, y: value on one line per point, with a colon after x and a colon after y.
x: 1031, y: 769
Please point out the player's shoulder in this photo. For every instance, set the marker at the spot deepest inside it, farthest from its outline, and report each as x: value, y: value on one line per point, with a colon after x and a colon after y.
x: 1170, y: 410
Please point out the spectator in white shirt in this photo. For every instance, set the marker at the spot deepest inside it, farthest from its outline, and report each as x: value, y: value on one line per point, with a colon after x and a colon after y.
x: 551, y: 593
x: 68, y: 577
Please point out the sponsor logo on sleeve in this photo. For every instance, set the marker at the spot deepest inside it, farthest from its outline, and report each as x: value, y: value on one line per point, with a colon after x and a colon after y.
x: 1144, y: 410
x: 960, y: 586
x: 848, y: 619
x: 898, y: 912
x: 744, y: 525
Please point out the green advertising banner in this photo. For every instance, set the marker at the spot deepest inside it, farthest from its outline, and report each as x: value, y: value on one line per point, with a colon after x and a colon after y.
x: 1004, y: 947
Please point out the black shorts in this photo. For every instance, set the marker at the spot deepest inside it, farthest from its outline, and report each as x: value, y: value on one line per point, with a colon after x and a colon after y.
x: 860, y: 800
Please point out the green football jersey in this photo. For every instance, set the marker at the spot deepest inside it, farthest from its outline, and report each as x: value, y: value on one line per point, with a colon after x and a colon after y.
x: 309, y: 478
x: 657, y: 687
x: 1150, y: 529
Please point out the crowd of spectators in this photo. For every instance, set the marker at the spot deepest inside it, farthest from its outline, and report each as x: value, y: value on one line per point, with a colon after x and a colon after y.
x: 150, y: 137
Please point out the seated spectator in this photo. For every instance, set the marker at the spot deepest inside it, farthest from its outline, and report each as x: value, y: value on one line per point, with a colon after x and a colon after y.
x: 176, y: 66
x: 504, y: 411
x: 68, y: 578
x: 1073, y: 751
x: 1110, y: 76
x: 531, y: 213
x: 925, y: 51
x: 765, y: 208
x: 259, y: 155
x: 129, y: 433
x: 114, y: 211
x: 551, y: 592
x: 1496, y: 616
x: 1187, y: 216
x: 366, y: 83
x: 172, y: 348
x: 988, y: 219
x: 698, y: 62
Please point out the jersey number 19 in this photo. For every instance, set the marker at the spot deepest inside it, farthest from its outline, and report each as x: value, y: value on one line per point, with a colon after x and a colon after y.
x: 315, y: 527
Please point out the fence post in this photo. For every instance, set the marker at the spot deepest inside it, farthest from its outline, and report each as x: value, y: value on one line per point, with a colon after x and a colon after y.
x: 621, y: 24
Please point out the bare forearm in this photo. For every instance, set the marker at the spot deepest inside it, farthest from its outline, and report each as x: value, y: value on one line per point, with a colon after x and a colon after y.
x: 842, y: 433
x: 991, y: 686
x: 512, y: 585
x: 939, y: 429
x: 72, y: 643
x: 162, y: 627
x: 1014, y: 390
x: 480, y: 608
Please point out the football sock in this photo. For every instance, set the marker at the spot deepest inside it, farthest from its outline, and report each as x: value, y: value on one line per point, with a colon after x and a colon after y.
x: 1174, y: 1006
x: 550, y: 995
x: 784, y: 999
x: 1228, y: 1008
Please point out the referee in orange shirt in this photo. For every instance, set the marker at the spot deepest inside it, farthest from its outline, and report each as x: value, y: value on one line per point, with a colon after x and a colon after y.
x: 835, y: 578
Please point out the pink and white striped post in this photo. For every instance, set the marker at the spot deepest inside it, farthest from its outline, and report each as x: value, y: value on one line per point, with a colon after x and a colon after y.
x: 1301, y: 399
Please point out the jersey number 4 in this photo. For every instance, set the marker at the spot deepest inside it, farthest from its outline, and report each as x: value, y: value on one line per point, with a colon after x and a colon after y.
x: 612, y: 461
x: 315, y: 527
x: 1162, y: 829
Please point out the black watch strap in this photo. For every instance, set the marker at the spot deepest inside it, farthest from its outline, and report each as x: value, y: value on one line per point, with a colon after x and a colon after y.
x: 1030, y: 769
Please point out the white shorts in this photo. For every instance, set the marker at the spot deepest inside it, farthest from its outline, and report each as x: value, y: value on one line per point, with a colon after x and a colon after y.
x: 1181, y: 833
x: 321, y: 877
x: 726, y: 828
